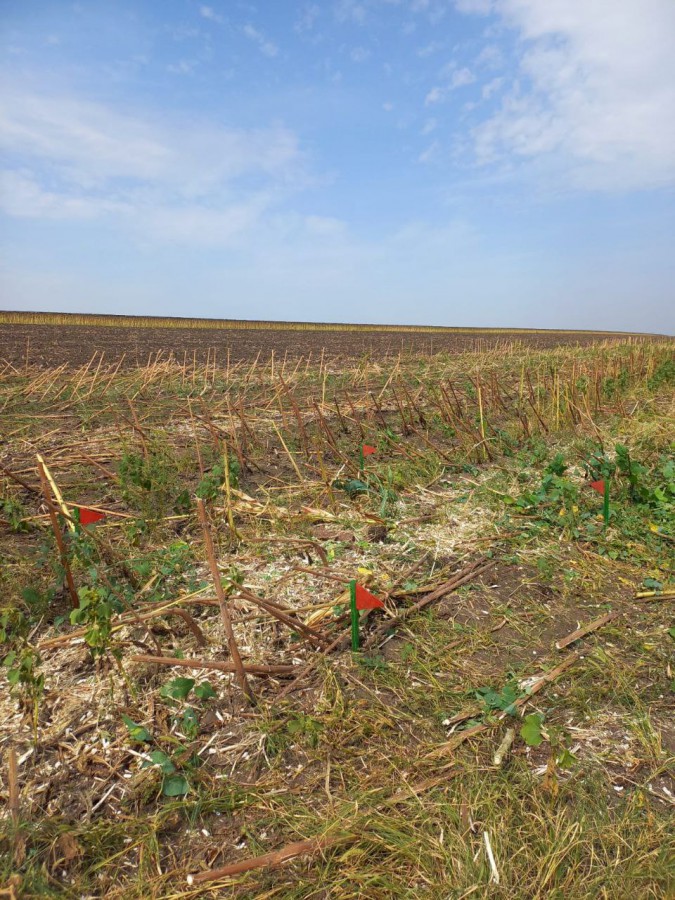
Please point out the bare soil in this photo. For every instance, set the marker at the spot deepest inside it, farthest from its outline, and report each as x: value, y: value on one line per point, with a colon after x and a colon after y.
x: 75, y: 344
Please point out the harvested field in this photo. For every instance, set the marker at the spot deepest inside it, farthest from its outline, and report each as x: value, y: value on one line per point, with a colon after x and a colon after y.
x: 74, y: 339
x: 504, y: 728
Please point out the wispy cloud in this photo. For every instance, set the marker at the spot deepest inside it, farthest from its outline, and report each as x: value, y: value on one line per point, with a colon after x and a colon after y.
x: 266, y: 47
x: 350, y: 11
x: 460, y: 78
x: 182, y: 67
x: 359, y: 54
x: 491, y: 87
x: 435, y: 95
x: 457, y: 78
x: 430, y: 153
x: 595, y: 96
x: 307, y: 18
x: 208, y: 12
x: 69, y: 158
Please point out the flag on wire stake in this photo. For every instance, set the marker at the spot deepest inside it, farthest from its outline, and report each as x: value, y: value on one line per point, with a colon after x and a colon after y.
x: 360, y: 599
x: 602, y: 487
x: 89, y: 516
x: 365, y: 450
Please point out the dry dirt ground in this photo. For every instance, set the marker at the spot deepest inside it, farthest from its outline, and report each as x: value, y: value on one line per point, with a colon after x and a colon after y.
x: 474, y: 521
x: 54, y: 344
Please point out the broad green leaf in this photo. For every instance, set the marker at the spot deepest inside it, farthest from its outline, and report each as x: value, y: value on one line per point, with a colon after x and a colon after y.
x: 204, y: 691
x: 136, y: 732
x: 178, y: 688
x: 159, y: 758
x: 175, y: 786
x: 531, y: 730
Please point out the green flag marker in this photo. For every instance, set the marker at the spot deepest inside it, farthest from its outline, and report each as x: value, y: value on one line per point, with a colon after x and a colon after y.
x: 355, y: 615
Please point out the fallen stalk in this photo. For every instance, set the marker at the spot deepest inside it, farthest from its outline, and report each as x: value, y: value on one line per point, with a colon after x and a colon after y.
x: 269, y: 860
x: 586, y: 629
x: 224, y: 609
x: 458, y: 739
x: 249, y: 668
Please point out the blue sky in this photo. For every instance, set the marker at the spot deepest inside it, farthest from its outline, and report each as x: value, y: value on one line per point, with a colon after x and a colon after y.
x: 450, y: 162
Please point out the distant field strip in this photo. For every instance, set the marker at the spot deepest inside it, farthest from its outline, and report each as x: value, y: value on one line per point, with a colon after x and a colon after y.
x: 68, y: 319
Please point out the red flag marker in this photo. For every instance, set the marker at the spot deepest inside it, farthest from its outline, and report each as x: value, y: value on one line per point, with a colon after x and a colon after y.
x: 598, y: 486
x: 366, y: 600
x: 368, y: 450
x: 89, y: 516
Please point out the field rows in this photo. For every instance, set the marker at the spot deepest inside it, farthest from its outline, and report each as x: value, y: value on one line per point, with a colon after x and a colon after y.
x: 141, y: 768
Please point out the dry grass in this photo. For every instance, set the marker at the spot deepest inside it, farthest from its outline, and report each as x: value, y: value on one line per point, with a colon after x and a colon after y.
x: 88, y: 319
x: 389, y: 752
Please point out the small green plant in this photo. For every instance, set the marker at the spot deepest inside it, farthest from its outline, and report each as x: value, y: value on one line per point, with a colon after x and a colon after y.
x: 176, y: 768
x: 14, y: 512
x: 503, y: 699
x: 352, y: 487
x: 22, y: 662
x: 663, y: 374
x: 148, y: 482
x: 97, y: 606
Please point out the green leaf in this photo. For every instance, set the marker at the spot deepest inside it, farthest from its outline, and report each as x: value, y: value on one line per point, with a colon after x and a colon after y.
x: 352, y: 486
x: 531, y: 730
x: 136, y: 732
x: 175, y: 786
x: 31, y: 596
x: 566, y: 759
x: 178, y: 688
x: 671, y: 632
x: 159, y: 758
x: 204, y: 691
x: 190, y: 723
x: 652, y: 584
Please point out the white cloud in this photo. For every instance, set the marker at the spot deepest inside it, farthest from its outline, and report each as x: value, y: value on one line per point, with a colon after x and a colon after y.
x: 208, y: 12
x: 350, y: 11
x: 359, y: 54
x: 477, y: 7
x: 307, y: 18
x: 182, y: 67
x: 266, y: 47
x: 457, y: 78
x: 596, y: 94
x: 172, y: 180
x: 435, y: 95
x: 325, y: 226
x: 22, y: 197
x: 429, y: 126
x: 461, y: 77
x: 429, y: 49
x: 491, y: 87
x: 490, y: 57
x: 430, y: 153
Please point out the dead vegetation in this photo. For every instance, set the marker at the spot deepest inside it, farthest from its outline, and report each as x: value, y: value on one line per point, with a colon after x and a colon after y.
x: 181, y: 713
